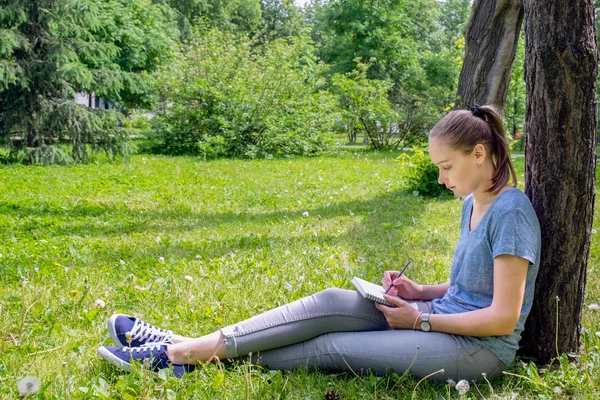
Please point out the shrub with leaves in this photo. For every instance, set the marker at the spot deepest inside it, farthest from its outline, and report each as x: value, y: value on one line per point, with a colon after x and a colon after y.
x: 421, y: 175
x: 365, y: 107
x: 224, y: 97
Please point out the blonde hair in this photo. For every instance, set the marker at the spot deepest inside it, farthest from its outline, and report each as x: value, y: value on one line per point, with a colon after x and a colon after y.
x: 463, y: 129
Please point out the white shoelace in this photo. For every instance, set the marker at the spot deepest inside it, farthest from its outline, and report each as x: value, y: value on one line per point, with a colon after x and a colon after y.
x: 145, y: 332
x: 149, y: 346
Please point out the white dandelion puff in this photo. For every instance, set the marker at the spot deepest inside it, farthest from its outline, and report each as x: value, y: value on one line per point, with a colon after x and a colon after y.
x: 28, y: 385
x: 188, y: 278
x: 463, y: 387
x: 161, y: 259
x: 557, y: 390
x: 100, y: 303
x: 416, y: 193
x: 594, y: 306
x: 299, y: 183
x: 305, y: 214
x: 598, y: 334
x: 450, y: 382
x: 593, y: 231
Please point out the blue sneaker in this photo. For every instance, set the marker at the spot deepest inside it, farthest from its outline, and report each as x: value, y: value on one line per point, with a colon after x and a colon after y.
x: 119, y: 325
x: 153, y: 356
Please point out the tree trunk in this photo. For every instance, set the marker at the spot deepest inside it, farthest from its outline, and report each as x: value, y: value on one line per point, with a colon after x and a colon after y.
x: 560, y: 72
x: 490, y: 44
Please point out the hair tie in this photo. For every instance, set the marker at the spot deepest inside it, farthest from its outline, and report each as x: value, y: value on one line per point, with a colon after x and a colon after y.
x: 478, y: 112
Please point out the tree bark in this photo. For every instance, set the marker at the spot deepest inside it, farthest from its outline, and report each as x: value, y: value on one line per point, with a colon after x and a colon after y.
x: 490, y: 44
x: 560, y: 71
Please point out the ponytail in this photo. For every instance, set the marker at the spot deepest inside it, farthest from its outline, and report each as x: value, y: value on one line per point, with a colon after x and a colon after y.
x: 463, y: 130
x: 503, y: 168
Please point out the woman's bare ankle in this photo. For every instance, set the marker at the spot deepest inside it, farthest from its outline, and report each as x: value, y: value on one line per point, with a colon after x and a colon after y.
x: 178, y: 339
x: 190, y: 351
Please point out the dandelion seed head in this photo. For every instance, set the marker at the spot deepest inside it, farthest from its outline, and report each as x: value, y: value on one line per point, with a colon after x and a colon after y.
x: 28, y: 385
x: 593, y: 231
x: 463, y: 387
x: 598, y: 334
x: 305, y: 214
x: 450, y: 382
x: 188, y: 278
x: 557, y: 390
x: 161, y: 259
x: 594, y: 306
x: 100, y: 303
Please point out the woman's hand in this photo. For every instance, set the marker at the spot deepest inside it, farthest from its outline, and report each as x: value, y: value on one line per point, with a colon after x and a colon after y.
x: 403, y: 316
x: 402, y: 286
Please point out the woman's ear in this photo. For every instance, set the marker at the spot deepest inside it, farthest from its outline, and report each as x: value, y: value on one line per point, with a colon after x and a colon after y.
x: 480, y: 153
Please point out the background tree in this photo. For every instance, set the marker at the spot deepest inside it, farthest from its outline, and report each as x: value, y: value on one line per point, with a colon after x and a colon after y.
x: 53, y: 49
x: 280, y: 19
x: 241, y: 16
x: 561, y: 76
x: 406, y: 46
x: 490, y: 45
x: 514, y: 112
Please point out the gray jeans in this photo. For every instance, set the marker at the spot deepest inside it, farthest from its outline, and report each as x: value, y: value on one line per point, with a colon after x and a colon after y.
x: 339, y: 330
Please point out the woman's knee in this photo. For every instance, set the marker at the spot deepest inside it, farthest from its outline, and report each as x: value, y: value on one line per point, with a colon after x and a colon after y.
x: 334, y: 296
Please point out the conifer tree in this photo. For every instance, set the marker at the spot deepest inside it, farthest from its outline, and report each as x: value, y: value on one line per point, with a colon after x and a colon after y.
x: 52, y: 49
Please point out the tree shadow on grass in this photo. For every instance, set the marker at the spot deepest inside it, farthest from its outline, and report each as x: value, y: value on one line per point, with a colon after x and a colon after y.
x: 384, y: 229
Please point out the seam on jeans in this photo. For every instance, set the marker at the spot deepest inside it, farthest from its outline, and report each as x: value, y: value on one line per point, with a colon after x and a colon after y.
x: 311, y: 317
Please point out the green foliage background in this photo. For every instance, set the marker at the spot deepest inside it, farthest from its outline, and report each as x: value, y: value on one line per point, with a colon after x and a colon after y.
x: 227, y: 99
x: 52, y: 49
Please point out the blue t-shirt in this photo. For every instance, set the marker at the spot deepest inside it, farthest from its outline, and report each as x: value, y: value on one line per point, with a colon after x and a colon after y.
x: 510, y: 226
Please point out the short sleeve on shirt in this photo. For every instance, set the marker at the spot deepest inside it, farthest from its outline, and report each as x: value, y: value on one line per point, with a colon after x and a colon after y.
x: 514, y: 234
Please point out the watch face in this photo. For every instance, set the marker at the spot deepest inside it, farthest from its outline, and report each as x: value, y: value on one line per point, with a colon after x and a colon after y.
x: 425, y: 327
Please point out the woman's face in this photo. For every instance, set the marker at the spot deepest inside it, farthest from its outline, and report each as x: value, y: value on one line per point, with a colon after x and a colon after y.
x: 460, y: 172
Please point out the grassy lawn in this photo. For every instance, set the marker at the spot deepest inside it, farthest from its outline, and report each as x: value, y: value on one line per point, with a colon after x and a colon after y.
x: 193, y: 245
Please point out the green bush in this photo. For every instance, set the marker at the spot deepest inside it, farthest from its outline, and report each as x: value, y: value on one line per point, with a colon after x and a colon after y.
x: 224, y: 97
x: 518, y: 145
x: 421, y: 175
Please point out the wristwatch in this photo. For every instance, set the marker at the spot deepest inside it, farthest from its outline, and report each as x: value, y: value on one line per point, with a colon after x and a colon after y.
x: 425, y: 326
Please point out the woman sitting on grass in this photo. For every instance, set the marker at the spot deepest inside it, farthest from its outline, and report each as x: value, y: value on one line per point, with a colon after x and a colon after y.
x: 467, y: 326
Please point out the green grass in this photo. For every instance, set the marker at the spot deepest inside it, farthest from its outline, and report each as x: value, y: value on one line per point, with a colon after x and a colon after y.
x: 74, y: 235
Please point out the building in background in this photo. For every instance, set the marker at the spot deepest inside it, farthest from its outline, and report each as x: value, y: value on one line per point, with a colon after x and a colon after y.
x: 93, y: 101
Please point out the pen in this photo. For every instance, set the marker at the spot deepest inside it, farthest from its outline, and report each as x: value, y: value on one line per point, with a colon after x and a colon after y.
x: 399, y: 275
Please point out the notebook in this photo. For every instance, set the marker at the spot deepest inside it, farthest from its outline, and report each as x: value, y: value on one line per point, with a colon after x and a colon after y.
x: 371, y: 291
